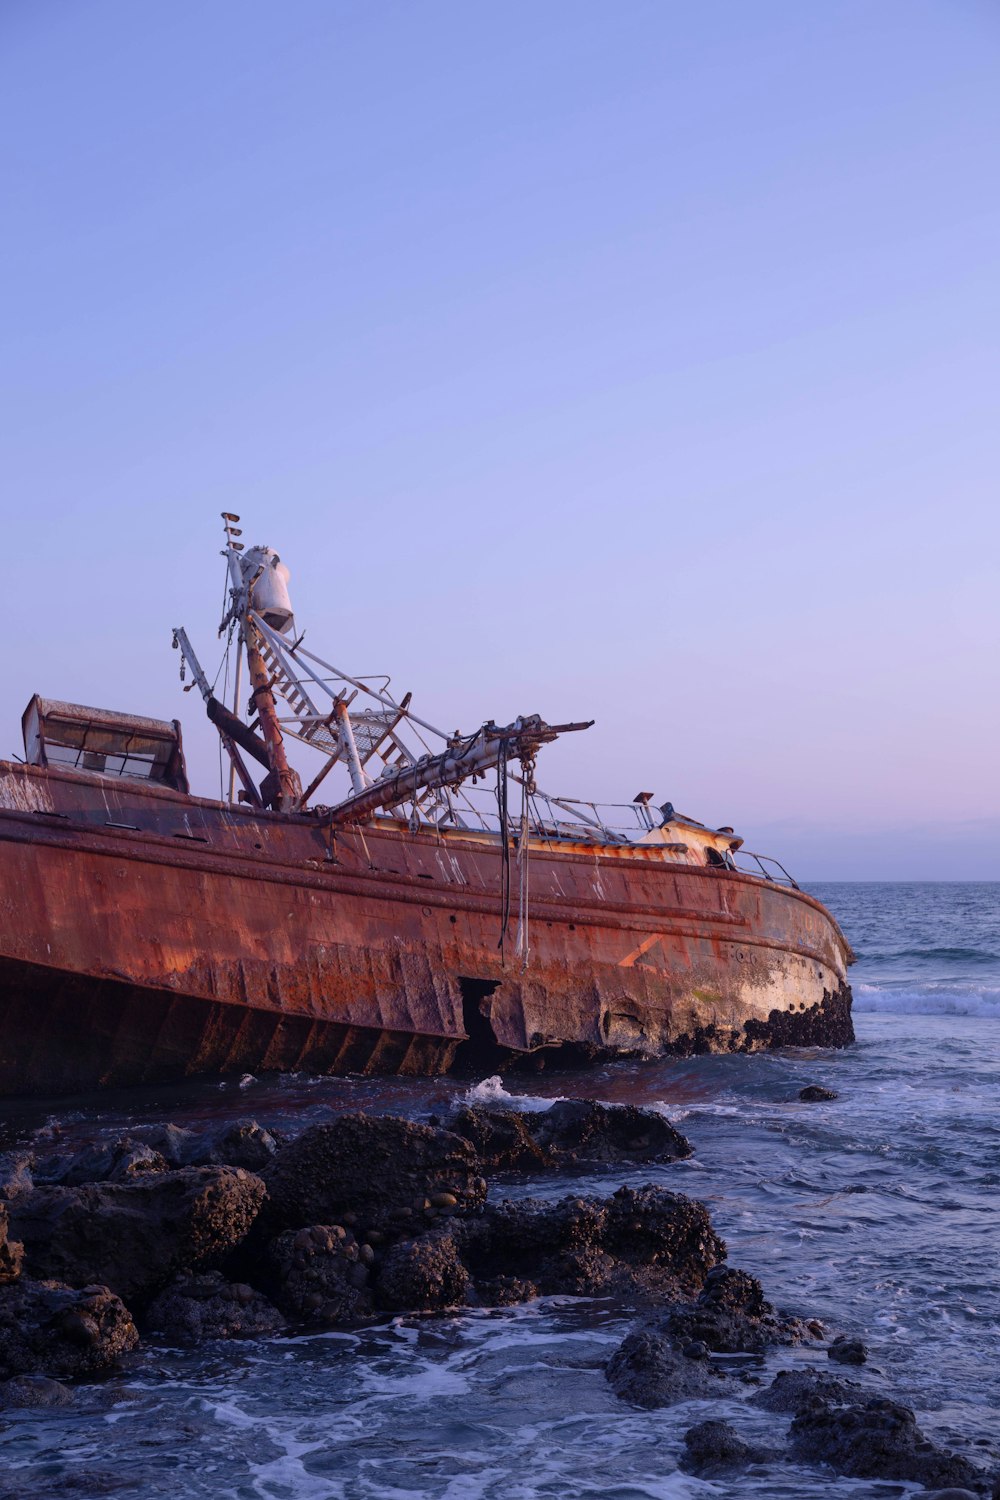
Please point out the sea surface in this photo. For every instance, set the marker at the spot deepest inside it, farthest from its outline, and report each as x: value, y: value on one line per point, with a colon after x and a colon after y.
x: 877, y: 1212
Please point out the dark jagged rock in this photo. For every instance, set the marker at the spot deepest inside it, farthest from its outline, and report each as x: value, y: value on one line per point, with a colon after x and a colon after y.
x: 11, y: 1251
x: 879, y: 1440
x: 135, y: 1237
x: 848, y: 1351
x: 794, y: 1390
x: 175, y: 1143
x: 503, y: 1139
x: 576, y: 1131
x: 136, y: 1159
x: 505, y: 1291
x: 815, y: 1093
x: 423, y: 1275
x: 647, y: 1242
x: 647, y: 1371
x: 650, y: 1226
x: 320, y: 1274
x: 732, y: 1316
x: 33, y: 1390
x: 245, y: 1143
x: 118, y: 1161
x: 713, y: 1447
x: 49, y: 1329
x: 207, y: 1306
x: 157, y: 1148
x: 387, y: 1174
x: 573, y: 1132
x: 16, y: 1169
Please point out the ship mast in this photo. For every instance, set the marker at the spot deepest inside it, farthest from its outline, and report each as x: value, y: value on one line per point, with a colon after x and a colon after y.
x: 282, y: 783
x: 415, y: 783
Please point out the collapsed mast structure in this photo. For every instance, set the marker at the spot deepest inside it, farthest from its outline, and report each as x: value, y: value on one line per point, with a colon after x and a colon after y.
x: 399, y: 765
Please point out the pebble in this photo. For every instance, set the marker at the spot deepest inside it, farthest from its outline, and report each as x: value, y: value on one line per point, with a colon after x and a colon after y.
x: 443, y: 1200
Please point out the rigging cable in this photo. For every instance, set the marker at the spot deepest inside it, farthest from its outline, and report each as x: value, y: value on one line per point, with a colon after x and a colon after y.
x: 504, y: 849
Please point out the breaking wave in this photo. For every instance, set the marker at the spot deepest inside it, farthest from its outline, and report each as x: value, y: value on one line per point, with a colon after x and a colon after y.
x: 929, y: 1000
x: 492, y: 1094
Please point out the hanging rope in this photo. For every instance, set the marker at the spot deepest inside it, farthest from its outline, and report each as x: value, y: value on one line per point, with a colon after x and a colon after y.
x: 224, y: 663
x: 521, y: 946
x: 504, y: 850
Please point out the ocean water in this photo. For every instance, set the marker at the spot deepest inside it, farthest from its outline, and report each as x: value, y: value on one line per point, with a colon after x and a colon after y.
x: 876, y: 1212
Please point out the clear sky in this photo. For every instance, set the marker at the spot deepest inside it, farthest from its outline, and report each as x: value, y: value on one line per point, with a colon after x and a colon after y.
x: 632, y: 360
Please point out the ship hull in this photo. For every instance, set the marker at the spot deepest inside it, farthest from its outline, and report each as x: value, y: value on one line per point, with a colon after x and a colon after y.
x: 149, y: 935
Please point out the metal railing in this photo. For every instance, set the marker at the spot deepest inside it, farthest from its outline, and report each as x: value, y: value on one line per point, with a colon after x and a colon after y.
x: 562, y: 819
x: 552, y: 818
x: 766, y: 865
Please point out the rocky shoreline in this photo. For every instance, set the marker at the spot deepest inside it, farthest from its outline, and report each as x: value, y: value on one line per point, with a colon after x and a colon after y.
x: 173, y: 1235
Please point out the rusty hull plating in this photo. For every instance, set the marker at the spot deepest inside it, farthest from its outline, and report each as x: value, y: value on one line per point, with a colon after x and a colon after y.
x: 147, y: 934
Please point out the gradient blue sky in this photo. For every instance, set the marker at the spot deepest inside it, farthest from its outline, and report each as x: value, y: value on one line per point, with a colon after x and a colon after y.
x: 628, y: 360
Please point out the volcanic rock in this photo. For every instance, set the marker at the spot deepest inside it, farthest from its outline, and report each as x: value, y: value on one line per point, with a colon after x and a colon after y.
x: 100, y: 1161
x: 33, y: 1390
x: 423, y: 1275
x: 573, y: 1132
x: 794, y: 1390
x: 647, y: 1371
x: 317, y: 1274
x: 207, y: 1306
x: 879, y: 1440
x: 383, y: 1172
x: 155, y: 1148
x: 645, y: 1242
x: 135, y: 1237
x: 732, y: 1316
x: 245, y: 1143
x: 15, y: 1174
x: 49, y: 1329
x: 715, y: 1448
x: 815, y: 1093
x: 847, y: 1351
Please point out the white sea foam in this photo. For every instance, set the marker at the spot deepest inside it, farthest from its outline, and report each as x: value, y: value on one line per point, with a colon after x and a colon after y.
x: 929, y: 1000
x: 492, y: 1094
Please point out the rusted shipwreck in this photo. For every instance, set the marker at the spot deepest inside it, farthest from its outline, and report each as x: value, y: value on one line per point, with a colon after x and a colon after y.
x: 443, y: 910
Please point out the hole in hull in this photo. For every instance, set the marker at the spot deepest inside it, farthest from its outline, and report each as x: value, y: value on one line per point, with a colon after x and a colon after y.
x: 481, y: 1052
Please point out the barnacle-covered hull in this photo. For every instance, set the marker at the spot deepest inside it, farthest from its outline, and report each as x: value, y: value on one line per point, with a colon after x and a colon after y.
x: 146, y: 934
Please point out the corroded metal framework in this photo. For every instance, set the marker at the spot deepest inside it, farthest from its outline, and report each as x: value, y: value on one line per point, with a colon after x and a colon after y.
x: 398, y: 763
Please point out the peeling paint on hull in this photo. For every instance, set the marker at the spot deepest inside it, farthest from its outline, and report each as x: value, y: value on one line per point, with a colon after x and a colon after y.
x: 148, y: 935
